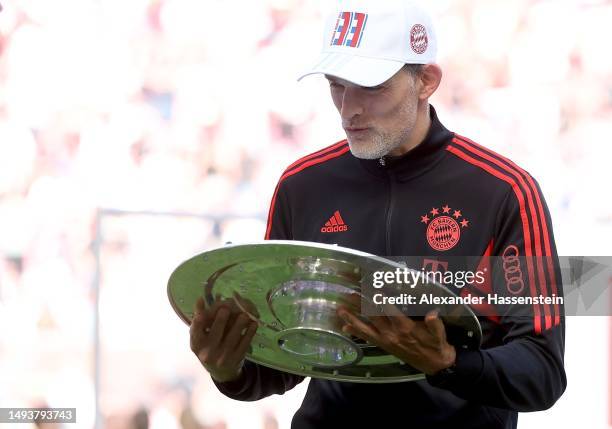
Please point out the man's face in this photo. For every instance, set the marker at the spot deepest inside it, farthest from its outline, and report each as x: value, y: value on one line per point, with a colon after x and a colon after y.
x: 377, y: 120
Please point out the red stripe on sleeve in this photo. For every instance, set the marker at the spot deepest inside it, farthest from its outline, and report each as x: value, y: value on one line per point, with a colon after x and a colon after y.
x: 534, y: 220
x: 271, y: 212
x: 317, y: 153
x: 526, y: 234
x: 544, y: 224
x: 290, y: 172
x: 534, y: 190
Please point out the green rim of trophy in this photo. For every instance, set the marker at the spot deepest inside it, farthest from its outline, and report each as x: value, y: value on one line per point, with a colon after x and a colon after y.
x: 292, y: 290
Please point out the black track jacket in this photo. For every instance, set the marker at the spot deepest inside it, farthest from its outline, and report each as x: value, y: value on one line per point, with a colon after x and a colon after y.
x: 449, y: 196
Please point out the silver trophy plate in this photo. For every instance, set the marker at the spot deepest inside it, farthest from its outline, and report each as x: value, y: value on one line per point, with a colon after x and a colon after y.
x: 292, y: 290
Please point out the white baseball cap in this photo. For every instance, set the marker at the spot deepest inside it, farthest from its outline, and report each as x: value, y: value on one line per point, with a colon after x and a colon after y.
x: 367, y: 41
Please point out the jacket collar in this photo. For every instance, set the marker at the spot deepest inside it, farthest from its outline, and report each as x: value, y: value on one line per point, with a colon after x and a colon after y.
x: 418, y: 160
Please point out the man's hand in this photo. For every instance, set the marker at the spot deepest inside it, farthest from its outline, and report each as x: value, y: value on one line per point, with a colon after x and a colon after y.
x: 422, y: 345
x: 220, y: 337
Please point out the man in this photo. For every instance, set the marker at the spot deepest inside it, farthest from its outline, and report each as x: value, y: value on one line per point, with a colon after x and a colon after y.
x: 402, y: 184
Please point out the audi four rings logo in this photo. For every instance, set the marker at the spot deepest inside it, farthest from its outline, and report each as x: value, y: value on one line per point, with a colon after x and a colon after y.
x: 512, y: 270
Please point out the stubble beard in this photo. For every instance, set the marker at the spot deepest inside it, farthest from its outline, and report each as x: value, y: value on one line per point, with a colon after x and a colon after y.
x: 381, y: 144
x: 377, y: 146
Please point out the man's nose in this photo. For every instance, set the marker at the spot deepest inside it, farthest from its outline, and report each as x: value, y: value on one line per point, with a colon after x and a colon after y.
x: 352, y: 103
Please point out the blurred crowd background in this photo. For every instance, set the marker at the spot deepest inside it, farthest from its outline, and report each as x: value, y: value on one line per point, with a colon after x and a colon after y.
x: 191, y: 107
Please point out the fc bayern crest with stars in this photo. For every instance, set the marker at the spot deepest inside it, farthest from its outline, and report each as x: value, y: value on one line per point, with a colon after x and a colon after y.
x: 444, y: 228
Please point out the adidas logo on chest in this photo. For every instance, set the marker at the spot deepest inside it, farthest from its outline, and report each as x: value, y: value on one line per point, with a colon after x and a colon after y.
x: 335, y: 224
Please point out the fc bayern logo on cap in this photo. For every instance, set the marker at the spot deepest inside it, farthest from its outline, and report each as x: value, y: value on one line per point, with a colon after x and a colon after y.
x: 418, y: 39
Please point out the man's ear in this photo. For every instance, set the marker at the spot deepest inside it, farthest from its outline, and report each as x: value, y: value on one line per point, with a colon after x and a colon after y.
x: 430, y: 78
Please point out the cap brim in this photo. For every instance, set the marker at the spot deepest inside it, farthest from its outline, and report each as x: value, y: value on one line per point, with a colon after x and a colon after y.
x: 362, y: 71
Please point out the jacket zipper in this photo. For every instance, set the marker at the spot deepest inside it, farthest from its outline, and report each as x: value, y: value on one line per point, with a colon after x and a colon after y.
x: 391, y: 206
